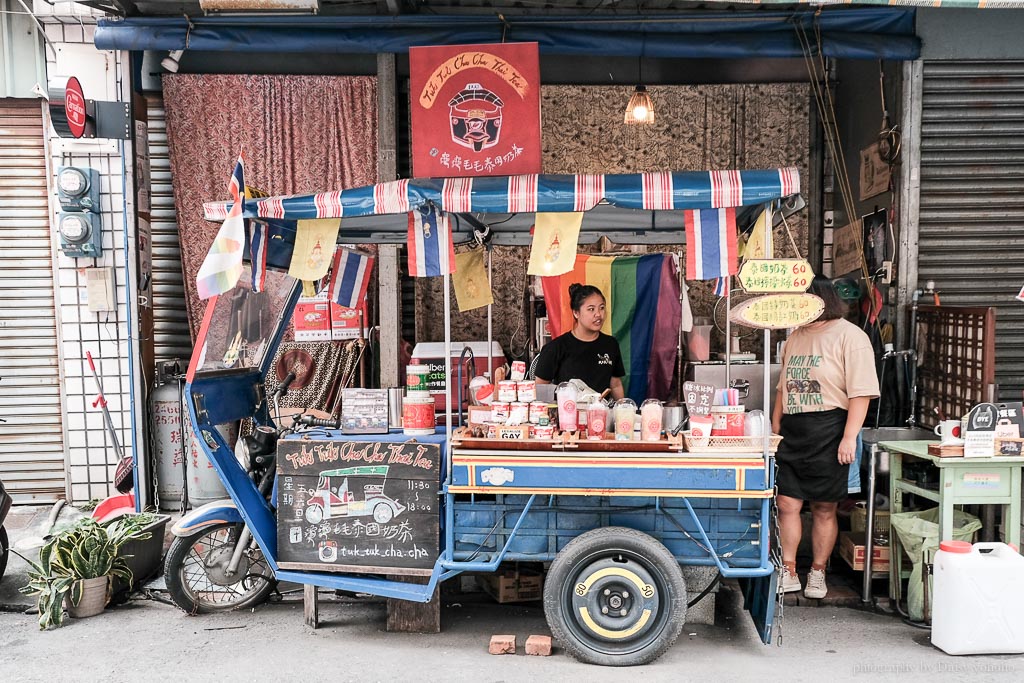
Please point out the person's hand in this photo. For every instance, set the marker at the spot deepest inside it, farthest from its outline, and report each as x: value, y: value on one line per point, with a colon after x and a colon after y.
x: 847, y: 450
x: 776, y: 426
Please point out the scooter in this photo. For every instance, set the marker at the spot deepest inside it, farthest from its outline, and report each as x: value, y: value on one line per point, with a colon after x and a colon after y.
x: 5, y: 507
x: 5, y: 546
x: 213, y: 563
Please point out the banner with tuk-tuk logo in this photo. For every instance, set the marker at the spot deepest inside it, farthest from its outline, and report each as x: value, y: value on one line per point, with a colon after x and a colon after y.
x: 475, y: 110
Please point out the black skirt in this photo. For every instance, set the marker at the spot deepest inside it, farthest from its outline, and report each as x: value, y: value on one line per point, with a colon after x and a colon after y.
x: 808, y: 457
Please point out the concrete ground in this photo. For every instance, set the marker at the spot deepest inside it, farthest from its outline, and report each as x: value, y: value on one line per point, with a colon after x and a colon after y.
x: 148, y: 640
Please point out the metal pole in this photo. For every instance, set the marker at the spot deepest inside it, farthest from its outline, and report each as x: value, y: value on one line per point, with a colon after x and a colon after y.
x: 448, y: 376
x: 490, y: 320
x: 728, y: 329
x: 869, y: 526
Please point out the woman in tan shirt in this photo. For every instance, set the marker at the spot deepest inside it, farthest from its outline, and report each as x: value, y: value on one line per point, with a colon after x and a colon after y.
x: 828, y: 379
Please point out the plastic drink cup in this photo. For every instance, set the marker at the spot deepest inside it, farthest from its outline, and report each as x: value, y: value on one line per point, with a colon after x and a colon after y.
x: 625, y: 414
x: 567, y: 415
x: 597, y: 421
x: 651, y: 412
x: 700, y: 429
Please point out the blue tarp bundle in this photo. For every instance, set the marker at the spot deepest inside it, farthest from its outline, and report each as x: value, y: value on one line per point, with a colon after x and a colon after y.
x: 848, y: 33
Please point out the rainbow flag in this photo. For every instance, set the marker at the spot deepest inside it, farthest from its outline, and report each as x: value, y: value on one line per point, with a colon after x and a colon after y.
x: 643, y: 300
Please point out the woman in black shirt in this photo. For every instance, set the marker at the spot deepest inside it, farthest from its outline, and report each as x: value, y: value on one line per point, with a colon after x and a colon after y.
x: 584, y: 352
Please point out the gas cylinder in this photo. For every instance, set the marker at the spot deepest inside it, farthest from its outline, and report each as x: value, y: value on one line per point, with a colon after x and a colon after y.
x: 168, y: 448
x: 204, y: 484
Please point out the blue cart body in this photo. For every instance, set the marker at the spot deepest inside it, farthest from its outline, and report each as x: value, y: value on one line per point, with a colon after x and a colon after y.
x: 706, y: 509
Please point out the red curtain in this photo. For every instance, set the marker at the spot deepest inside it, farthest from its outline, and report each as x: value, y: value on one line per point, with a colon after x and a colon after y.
x: 300, y: 134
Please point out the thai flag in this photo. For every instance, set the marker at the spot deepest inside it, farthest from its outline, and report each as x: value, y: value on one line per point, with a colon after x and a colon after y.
x: 431, y: 252
x: 223, y: 264
x: 710, y: 243
x: 258, y: 236
x: 722, y: 286
x: 350, y: 277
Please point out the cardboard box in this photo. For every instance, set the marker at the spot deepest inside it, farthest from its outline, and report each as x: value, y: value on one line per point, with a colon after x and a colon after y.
x: 345, y: 321
x: 852, y: 549
x: 312, y: 318
x: 479, y: 415
x: 514, y: 586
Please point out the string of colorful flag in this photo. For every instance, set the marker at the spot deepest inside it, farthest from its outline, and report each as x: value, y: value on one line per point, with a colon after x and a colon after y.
x: 712, y: 249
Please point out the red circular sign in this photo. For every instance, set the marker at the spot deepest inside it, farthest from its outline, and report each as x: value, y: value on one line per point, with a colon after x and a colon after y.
x: 74, y: 107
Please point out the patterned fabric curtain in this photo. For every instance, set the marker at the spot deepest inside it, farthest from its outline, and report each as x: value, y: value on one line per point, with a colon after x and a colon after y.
x: 300, y: 134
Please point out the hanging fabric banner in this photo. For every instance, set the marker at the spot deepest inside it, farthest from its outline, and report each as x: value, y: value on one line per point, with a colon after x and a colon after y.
x: 350, y: 277
x: 761, y: 244
x: 258, y: 234
x: 555, y: 239
x: 472, y: 286
x: 314, y: 249
x: 643, y: 299
x: 475, y: 110
x: 431, y: 251
x: 223, y: 264
x: 710, y: 243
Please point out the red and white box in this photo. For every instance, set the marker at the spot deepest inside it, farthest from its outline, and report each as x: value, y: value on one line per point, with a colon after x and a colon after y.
x: 345, y: 321
x: 312, y: 318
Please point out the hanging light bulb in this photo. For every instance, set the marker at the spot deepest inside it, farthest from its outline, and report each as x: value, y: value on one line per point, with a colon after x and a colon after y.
x: 640, y: 108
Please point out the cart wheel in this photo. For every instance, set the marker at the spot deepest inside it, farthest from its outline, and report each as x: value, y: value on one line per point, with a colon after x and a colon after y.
x: 314, y: 514
x: 383, y: 513
x: 4, y: 546
x: 615, y: 597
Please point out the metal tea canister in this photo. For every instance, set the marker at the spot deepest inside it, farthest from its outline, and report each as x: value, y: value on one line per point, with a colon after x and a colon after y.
x: 499, y: 411
x: 527, y: 390
x: 538, y: 410
x: 416, y: 378
x: 507, y: 391
x: 418, y: 413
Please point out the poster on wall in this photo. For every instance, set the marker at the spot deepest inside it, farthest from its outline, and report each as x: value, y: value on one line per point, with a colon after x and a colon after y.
x: 846, y: 249
x: 874, y: 172
x: 475, y: 110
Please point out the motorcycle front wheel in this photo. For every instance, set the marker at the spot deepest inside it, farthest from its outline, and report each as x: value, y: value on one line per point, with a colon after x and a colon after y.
x: 196, y: 572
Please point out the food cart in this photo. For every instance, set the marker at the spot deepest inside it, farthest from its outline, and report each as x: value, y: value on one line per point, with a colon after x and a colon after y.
x: 615, y: 520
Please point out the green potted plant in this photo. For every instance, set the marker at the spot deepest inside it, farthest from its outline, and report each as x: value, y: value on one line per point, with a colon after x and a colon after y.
x: 76, y: 566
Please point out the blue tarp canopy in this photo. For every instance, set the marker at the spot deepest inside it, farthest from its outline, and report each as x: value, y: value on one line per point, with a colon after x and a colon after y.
x: 628, y: 208
x: 849, y: 33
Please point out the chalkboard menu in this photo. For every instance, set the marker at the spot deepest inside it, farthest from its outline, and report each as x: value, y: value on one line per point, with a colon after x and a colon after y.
x: 356, y: 506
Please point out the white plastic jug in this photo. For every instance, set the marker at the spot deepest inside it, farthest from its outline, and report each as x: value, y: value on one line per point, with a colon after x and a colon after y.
x: 978, y: 607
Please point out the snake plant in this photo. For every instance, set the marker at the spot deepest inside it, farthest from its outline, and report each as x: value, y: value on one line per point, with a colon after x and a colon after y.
x: 87, y: 550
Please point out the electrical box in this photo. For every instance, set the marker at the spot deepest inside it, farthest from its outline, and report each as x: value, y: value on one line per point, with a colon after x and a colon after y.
x: 78, y: 189
x: 80, y: 235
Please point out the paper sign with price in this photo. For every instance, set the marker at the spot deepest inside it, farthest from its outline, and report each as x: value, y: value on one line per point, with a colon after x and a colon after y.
x: 698, y: 397
x: 778, y: 311
x: 776, y: 276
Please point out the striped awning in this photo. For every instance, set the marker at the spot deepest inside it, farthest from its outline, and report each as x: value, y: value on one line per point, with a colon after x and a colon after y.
x: 668, y: 190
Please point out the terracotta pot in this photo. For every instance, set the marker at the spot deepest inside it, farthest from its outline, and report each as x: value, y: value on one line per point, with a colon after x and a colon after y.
x: 95, y: 596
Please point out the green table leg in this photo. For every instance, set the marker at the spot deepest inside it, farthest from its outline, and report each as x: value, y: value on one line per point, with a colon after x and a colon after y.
x: 895, y: 505
x: 1012, y: 519
x: 946, y: 499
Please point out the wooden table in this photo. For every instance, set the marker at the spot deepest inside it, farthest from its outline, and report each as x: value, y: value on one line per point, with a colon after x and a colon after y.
x: 962, y: 481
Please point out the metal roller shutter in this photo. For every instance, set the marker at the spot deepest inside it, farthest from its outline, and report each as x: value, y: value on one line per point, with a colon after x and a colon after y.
x: 972, y: 207
x: 170, y: 321
x: 31, y: 439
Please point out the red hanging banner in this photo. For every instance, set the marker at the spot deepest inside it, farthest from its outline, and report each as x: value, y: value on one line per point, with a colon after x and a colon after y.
x: 475, y: 110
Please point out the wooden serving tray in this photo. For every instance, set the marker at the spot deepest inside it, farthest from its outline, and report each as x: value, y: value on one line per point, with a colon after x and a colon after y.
x: 940, y: 451
x: 567, y: 441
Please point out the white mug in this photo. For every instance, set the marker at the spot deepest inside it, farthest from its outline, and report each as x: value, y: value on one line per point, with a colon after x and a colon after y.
x: 948, y: 430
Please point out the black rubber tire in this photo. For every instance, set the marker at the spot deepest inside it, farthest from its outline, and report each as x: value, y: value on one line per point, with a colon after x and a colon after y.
x: 5, y: 551
x: 604, y: 567
x: 181, y: 562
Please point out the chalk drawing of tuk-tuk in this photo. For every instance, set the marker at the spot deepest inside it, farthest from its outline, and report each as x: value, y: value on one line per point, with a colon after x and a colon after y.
x: 332, y: 500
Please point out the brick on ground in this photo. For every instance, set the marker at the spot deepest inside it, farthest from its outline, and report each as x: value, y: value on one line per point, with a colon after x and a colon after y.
x: 538, y: 645
x: 502, y: 645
